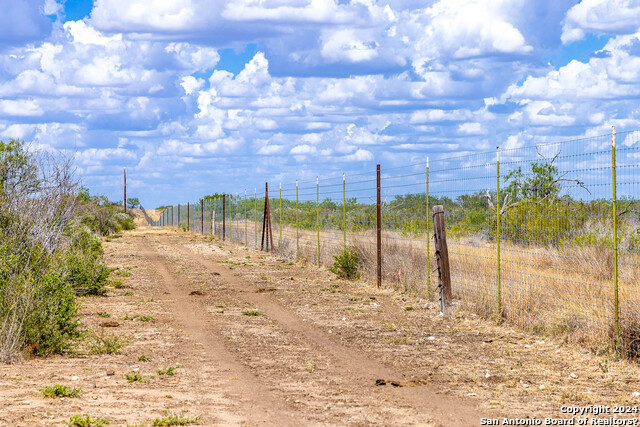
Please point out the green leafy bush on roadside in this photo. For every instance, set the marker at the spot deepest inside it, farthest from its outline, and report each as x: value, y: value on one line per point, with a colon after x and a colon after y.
x: 345, y: 265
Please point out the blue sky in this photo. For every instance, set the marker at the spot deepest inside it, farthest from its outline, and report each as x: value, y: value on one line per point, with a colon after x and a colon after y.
x: 200, y: 96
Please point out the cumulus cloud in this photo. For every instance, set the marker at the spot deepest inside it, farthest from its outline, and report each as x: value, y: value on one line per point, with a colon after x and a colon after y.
x: 601, y: 16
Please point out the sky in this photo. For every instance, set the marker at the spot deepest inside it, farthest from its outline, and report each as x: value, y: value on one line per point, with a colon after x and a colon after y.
x: 195, y: 97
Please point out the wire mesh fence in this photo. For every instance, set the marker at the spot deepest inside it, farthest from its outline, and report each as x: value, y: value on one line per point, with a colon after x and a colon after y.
x: 545, y: 236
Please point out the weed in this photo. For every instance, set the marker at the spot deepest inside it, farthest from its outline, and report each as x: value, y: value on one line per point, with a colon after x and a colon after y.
x: 349, y: 308
x: 122, y: 273
x: 115, y: 283
x: 103, y: 314
x: 105, y: 344
x: 171, y: 419
x: 143, y: 358
x: 59, y: 390
x: 127, y: 294
x: 221, y: 306
x: 251, y: 312
x: 146, y: 318
x: 134, y: 376
x: 409, y: 308
x: 169, y: 371
x: 84, y: 420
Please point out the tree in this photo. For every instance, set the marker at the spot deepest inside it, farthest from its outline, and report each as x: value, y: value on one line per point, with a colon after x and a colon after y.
x: 133, y: 202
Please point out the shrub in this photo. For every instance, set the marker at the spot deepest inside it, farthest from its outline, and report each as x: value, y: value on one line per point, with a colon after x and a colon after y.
x: 346, y: 264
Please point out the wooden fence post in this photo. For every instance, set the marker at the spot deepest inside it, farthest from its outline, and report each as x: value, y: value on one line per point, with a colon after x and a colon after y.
x: 442, y: 257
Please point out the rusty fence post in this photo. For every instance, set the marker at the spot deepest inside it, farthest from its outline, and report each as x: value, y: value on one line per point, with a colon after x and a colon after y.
x: 125, y: 191
x: 378, y: 230
x: 224, y: 220
x: 442, y: 257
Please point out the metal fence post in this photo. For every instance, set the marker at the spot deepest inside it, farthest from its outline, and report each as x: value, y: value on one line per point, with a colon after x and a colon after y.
x: 179, y: 218
x: 245, y: 218
x: 614, y: 213
x: 318, y: 215
x: 297, y: 225
x: 202, y: 216
x: 498, y: 231
x: 344, y: 211
x: 237, y: 219
x: 280, y: 220
x: 378, y: 230
x: 224, y: 220
x: 255, y: 217
x: 188, y: 217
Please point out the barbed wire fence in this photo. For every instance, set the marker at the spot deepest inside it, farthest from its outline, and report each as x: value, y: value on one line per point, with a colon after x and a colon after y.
x: 546, y: 237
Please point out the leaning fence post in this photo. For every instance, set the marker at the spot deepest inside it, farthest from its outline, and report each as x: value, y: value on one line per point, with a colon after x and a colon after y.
x: 614, y: 213
x: 428, y: 239
x: 442, y: 257
x: 498, y: 231
x: 224, y: 220
x: 378, y: 230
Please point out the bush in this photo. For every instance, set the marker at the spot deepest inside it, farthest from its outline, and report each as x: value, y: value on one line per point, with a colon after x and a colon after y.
x: 82, y: 261
x: 346, y: 264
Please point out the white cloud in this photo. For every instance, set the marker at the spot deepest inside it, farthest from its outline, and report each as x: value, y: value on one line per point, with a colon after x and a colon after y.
x: 360, y: 155
x: 345, y: 45
x: 601, y: 16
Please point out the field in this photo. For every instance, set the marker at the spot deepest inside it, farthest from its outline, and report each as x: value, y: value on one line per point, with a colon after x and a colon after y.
x: 255, y: 339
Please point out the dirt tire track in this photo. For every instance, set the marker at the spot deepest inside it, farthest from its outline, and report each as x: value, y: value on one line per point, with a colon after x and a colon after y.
x: 349, y: 363
x: 254, y: 400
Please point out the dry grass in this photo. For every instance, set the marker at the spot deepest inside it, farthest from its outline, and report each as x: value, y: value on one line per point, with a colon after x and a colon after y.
x: 563, y: 292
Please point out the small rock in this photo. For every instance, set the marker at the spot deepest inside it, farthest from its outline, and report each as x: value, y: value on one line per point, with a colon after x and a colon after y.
x: 635, y: 394
x: 74, y: 378
x: 543, y: 387
x: 487, y: 375
x: 344, y: 319
x: 431, y: 338
x: 572, y: 375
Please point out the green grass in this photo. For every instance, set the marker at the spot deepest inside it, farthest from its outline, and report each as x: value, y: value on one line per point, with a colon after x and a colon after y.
x: 171, y: 419
x: 143, y: 358
x: 59, y: 390
x: 409, y: 308
x: 84, y: 420
x: 251, y: 312
x: 103, y: 314
x: 169, y: 371
x: 134, y: 376
x: 146, y: 318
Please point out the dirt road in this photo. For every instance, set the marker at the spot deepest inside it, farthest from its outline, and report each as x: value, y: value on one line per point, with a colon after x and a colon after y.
x: 261, y: 341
